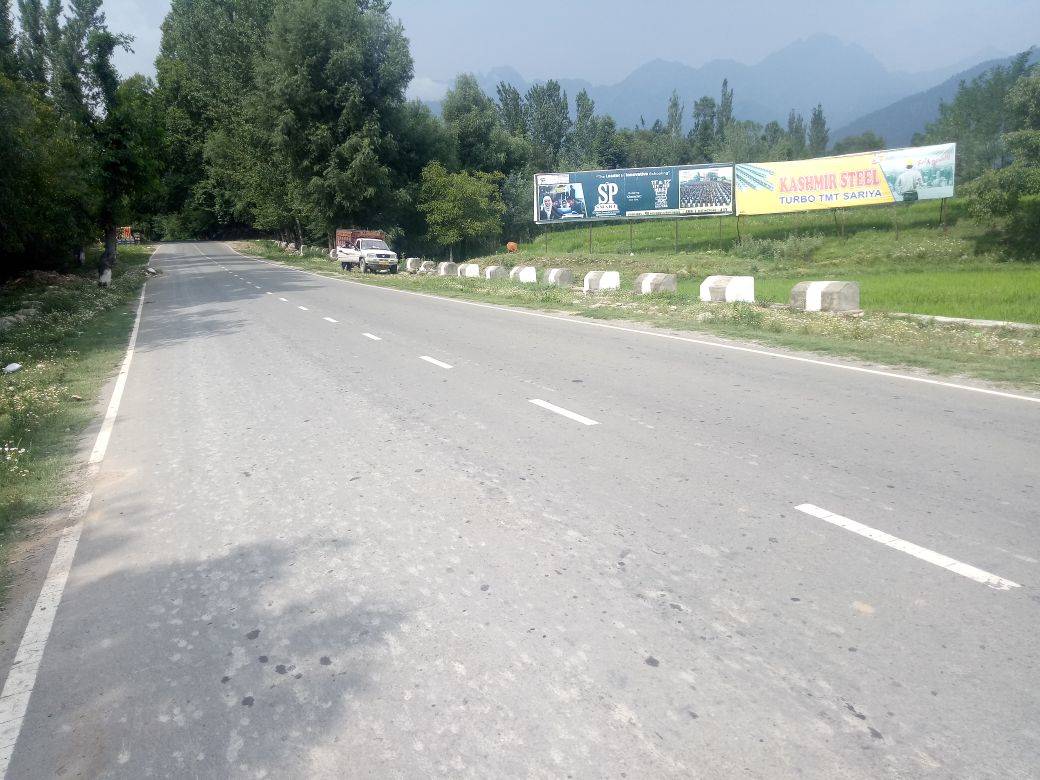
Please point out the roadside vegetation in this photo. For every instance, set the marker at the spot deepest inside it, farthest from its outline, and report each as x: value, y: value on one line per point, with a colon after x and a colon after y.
x: 1001, y: 355
x: 69, y: 336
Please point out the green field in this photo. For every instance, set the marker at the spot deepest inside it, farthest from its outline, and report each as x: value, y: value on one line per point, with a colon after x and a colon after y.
x: 902, y: 258
x: 71, y: 343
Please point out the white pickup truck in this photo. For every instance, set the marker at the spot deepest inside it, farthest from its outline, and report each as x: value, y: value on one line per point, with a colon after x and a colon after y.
x: 368, y: 254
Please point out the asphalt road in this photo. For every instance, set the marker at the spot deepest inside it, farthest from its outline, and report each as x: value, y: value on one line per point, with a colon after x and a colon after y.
x: 333, y: 536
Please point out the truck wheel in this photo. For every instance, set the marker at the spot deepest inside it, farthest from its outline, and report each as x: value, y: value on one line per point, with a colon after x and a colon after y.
x: 393, y: 269
x: 364, y: 267
x: 344, y: 265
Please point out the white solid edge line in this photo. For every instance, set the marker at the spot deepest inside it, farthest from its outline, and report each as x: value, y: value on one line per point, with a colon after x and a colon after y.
x: 372, y: 336
x: 561, y: 411
x: 938, y: 559
x: 670, y: 336
x: 329, y: 319
x: 435, y: 361
x: 21, y: 679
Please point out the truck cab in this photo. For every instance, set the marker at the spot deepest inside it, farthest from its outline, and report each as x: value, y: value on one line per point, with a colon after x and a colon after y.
x: 369, y: 254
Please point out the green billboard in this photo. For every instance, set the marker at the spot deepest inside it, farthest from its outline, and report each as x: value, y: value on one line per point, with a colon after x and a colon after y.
x: 634, y: 193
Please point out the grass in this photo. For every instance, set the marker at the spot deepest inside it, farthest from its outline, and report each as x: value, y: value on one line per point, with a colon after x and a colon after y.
x: 1006, y: 356
x: 69, y: 344
x: 901, y: 257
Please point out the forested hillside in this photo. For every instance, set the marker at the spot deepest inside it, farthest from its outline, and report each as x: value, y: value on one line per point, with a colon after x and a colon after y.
x: 289, y: 118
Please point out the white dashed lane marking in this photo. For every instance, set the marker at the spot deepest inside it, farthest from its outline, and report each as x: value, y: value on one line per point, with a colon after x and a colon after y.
x: 434, y: 361
x: 938, y: 559
x: 303, y: 308
x: 329, y: 319
x: 562, y: 412
x: 374, y: 337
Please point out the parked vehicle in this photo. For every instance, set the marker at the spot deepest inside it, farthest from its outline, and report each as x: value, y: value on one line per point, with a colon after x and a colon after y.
x: 364, y: 249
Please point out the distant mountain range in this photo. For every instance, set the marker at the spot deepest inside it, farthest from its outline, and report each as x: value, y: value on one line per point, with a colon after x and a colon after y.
x: 857, y: 90
x: 898, y: 122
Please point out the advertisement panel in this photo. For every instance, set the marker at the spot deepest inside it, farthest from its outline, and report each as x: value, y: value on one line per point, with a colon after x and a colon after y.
x: 629, y: 193
x: 861, y: 179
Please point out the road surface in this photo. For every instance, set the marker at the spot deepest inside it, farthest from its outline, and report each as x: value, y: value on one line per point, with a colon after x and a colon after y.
x: 342, y: 530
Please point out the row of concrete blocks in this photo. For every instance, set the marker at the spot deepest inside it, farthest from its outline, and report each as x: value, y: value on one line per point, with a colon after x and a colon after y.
x: 805, y: 296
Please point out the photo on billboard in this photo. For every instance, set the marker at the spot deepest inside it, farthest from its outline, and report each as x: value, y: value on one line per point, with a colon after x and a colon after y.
x: 919, y: 173
x: 561, y: 202
x: 706, y: 190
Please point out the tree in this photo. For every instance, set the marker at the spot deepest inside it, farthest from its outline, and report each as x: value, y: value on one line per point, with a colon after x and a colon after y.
x: 977, y: 119
x: 1013, y: 191
x: 581, y: 144
x: 548, y: 122
x: 332, y: 76
x: 472, y: 118
x: 702, y: 137
x: 724, y: 115
x: 819, y: 135
x: 674, y: 125
x: 796, y: 142
x: 460, y: 207
x: 864, y: 142
x: 8, y: 49
x: 511, y: 109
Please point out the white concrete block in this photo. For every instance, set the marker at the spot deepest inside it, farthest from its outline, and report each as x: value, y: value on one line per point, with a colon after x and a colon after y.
x: 728, y: 289
x: 602, y: 280
x: 447, y: 269
x: 427, y: 267
x: 469, y: 271
x: 651, y: 283
x: 525, y: 274
x: 411, y: 265
x: 496, y: 272
x: 560, y: 277
x: 825, y: 296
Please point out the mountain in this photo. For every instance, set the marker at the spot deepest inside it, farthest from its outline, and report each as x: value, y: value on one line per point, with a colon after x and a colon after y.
x: 844, y: 77
x: 898, y: 122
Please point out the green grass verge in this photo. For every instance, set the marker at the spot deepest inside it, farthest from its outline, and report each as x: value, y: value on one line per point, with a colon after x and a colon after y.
x: 71, y: 340
x: 902, y: 259
x: 1006, y: 356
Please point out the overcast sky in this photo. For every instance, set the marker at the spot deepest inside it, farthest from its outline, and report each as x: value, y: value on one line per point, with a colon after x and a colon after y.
x: 603, y: 40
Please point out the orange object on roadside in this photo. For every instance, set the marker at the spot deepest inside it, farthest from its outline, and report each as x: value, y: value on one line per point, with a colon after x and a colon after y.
x: 512, y: 247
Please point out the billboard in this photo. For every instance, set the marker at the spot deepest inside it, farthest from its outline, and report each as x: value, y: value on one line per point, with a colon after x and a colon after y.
x: 861, y: 179
x: 629, y: 193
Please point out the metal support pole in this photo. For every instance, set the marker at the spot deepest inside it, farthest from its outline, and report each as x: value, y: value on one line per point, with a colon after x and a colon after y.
x: 590, y: 238
x: 547, y: 229
x: 942, y: 213
x: 676, y: 236
x: 631, y: 245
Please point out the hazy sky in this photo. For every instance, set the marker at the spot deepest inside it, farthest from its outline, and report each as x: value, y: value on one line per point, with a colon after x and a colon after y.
x: 603, y: 40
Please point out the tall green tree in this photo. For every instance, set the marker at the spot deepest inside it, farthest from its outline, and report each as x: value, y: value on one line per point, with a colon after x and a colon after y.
x: 8, y: 42
x: 461, y: 207
x: 581, y: 143
x: 481, y: 142
x: 333, y: 75
x: 548, y: 122
x: 724, y: 115
x: 796, y: 140
x: 1012, y: 192
x: 674, y: 123
x: 867, y: 141
x: 819, y: 135
x: 702, y: 137
x: 511, y: 109
x: 977, y: 119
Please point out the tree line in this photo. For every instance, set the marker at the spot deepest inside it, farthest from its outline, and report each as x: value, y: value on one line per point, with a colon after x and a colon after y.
x: 289, y: 118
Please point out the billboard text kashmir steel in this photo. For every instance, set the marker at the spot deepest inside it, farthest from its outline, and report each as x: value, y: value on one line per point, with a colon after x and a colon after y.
x: 861, y: 179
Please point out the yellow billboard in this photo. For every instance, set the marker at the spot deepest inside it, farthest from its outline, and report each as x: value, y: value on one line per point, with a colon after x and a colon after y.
x: 862, y: 179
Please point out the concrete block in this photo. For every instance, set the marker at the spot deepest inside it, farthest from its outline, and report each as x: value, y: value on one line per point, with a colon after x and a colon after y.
x: 469, y: 271
x: 651, y: 283
x: 728, y: 289
x: 602, y: 280
x: 559, y: 277
x: 411, y: 265
x: 447, y: 269
x: 496, y: 272
x: 428, y: 267
x: 525, y: 274
x: 825, y: 296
